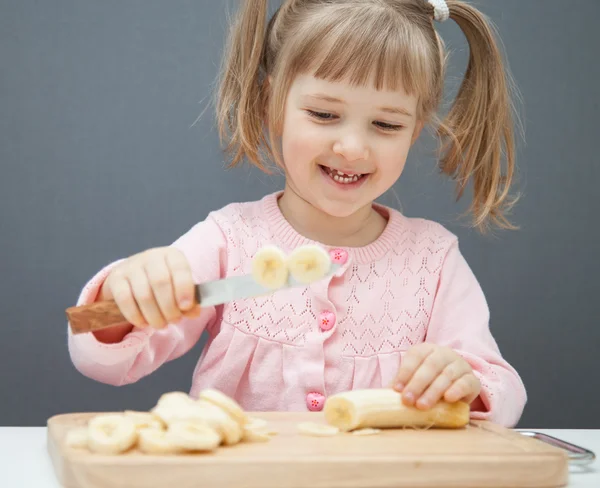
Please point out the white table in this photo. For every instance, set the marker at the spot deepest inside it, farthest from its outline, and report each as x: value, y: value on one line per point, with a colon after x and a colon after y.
x: 24, y: 462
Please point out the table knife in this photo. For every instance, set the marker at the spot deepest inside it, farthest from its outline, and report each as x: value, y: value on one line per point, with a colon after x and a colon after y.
x: 103, y: 314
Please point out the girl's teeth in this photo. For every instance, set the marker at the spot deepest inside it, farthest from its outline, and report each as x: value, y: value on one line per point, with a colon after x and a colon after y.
x: 343, y: 178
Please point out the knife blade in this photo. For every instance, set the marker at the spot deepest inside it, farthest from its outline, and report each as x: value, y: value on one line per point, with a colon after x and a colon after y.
x: 103, y: 314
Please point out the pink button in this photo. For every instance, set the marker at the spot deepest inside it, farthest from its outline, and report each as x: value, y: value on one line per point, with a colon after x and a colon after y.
x: 315, y: 402
x: 326, y: 320
x: 339, y: 256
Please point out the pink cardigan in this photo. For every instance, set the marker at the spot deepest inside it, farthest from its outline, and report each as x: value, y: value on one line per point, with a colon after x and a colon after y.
x: 291, y: 350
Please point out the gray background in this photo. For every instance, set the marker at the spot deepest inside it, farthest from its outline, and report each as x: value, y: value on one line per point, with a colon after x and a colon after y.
x: 101, y: 158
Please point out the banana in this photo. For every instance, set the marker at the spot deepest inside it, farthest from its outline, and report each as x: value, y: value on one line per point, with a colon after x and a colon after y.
x: 255, y: 435
x: 145, y: 420
x: 269, y: 267
x: 175, y: 398
x: 177, y: 406
x: 214, y: 416
x: 383, y: 408
x: 226, y: 403
x: 256, y: 423
x: 154, y: 441
x: 192, y: 436
x: 309, y: 263
x: 77, y: 438
x: 317, y: 430
x: 366, y: 431
x: 111, y: 434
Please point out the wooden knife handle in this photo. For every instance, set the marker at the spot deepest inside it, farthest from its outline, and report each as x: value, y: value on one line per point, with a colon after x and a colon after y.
x: 95, y: 316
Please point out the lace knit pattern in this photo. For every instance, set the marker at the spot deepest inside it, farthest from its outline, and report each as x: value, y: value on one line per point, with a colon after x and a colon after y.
x: 400, y: 283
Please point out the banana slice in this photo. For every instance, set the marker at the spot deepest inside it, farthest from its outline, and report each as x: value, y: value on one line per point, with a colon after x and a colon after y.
x: 77, y: 438
x: 230, y: 430
x: 269, y: 267
x: 256, y: 423
x: 309, y: 263
x: 193, y: 436
x: 317, y: 430
x: 144, y: 420
x: 154, y: 441
x: 255, y: 435
x: 366, y: 431
x: 175, y: 398
x: 111, y: 434
x: 226, y: 403
x: 178, y: 410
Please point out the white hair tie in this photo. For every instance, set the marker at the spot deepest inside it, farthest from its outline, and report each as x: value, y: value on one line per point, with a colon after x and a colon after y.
x: 441, y: 12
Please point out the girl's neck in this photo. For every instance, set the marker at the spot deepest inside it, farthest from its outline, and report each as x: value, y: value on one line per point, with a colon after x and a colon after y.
x: 357, y: 230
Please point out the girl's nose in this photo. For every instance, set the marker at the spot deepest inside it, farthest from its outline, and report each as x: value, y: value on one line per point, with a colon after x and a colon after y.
x: 351, y: 148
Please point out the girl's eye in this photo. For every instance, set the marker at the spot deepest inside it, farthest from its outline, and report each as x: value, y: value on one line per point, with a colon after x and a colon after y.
x: 389, y: 127
x: 324, y: 116
x: 321, y: 115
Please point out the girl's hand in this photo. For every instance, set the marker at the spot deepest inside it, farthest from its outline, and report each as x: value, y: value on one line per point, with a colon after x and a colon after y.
x: 152, y: 288
x: 430, y: 372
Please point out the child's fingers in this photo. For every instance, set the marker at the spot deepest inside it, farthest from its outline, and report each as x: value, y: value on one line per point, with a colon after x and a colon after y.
x: 144, y: 296
x: 193, y: 312
x: 466, y: 388
x: 183, y: 282
x: 444, y: 380
x: 159, y: 276
x: 122, y: 294
x: 428, y: 371
x: 410, y: 363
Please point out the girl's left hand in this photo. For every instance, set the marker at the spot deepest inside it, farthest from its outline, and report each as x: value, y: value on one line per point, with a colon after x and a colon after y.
x: 429, y: 372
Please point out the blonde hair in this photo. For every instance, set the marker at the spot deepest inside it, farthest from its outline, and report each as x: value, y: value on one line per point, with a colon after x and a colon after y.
x: 393, y: 42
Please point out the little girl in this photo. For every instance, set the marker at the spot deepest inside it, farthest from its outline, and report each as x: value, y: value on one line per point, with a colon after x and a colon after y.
x: 334, y: 92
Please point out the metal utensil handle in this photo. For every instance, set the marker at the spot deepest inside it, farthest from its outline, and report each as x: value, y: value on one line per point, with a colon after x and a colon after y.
x: 577, y: 454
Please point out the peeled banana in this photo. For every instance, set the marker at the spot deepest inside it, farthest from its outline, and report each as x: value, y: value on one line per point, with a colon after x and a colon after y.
x: 383, y: 408
x: 269, y: 267
x: 308, y: 263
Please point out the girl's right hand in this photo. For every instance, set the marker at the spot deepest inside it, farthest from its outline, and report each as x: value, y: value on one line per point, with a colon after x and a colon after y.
x: 153, y: 288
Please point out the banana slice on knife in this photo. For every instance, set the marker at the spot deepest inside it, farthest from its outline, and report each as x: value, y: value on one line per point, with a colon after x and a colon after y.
x: 269, y: 267
x: 309, y: 263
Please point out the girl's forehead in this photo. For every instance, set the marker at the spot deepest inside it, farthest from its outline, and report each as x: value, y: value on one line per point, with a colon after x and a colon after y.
x: 308, y: 87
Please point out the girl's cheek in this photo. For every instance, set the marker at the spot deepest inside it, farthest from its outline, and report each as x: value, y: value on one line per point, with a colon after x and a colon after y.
x: 302, y: 141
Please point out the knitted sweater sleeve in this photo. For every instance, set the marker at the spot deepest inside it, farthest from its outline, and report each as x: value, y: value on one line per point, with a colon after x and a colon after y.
x: 143, y: 351
x: 460, y: 320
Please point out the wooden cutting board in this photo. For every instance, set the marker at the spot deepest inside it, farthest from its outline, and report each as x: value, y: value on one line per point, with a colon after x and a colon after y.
x: 482, y: 455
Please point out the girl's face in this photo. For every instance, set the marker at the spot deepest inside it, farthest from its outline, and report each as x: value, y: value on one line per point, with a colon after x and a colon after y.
x: 344, y: 146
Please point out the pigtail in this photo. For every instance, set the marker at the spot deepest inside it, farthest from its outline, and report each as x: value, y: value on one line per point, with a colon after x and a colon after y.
x: 478, y: 131
x: 240, y: 98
